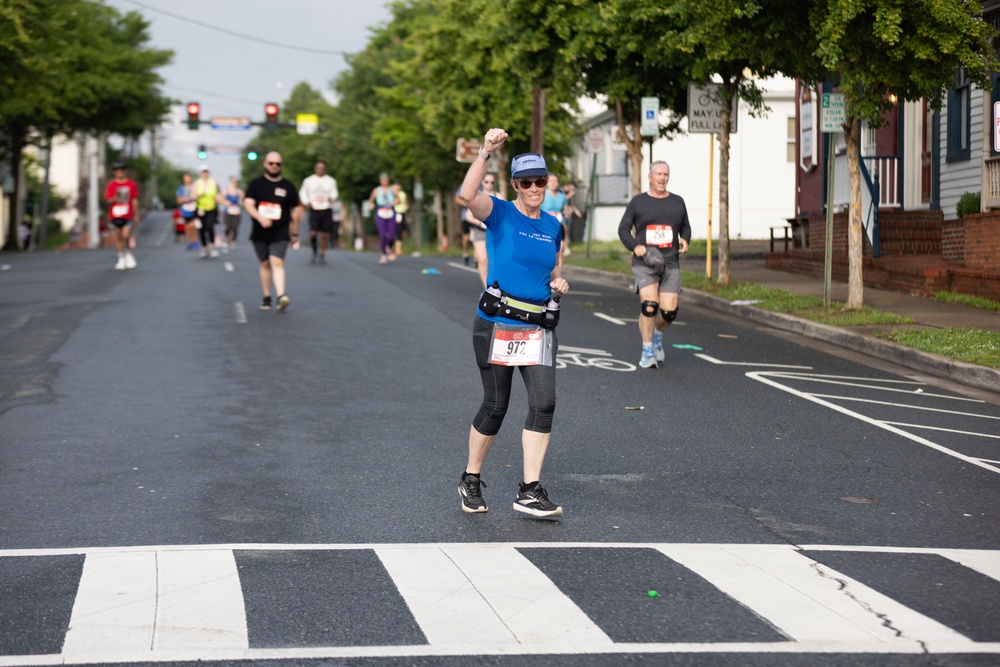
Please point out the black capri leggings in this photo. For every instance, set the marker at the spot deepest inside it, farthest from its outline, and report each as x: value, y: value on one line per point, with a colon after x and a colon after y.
x: 540, y: 381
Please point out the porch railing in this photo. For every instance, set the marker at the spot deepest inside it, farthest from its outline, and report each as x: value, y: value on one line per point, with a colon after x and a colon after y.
x: 992, y: 194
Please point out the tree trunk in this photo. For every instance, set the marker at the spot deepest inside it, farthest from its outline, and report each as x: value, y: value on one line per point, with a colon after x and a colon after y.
x: 855, y: 244
x: 633, y: 148
x: 538, y: 120
x: 16, y: 148
x: 732, y: 88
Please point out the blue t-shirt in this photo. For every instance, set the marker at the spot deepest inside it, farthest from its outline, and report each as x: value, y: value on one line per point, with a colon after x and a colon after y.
x: 554, y: 203
x: 188, y: 209
x: 522, y: 252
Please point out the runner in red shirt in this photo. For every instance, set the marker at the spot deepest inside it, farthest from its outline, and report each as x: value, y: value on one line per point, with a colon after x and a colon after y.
x: 122, y: 196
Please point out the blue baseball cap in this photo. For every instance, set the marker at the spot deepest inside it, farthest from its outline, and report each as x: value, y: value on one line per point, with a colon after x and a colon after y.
x: 528, y: 164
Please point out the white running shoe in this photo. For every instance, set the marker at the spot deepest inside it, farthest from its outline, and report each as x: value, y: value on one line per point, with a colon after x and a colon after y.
x: 120, y: 265
x: 129, y: 261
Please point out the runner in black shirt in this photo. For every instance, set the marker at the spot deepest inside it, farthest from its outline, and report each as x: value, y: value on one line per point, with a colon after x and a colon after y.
x: 655, y: 229
x: 274, y: 208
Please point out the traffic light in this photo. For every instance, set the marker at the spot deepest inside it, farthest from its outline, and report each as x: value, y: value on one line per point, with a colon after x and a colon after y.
x: 271, y: 116
x: 202, y: 152
x: 193, y: 110
x: 251, y: 153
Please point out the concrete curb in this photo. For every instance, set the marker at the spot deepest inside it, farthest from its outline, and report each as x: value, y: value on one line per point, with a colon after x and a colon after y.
x: 972, y: 375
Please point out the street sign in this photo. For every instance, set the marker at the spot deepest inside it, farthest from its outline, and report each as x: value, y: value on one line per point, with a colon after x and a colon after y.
x: 650, y: 109
x: 595, y: 140
x: 230, y: 123
x: 226, y: 150
x: 705, y: 109
x: 306, y: 123
x: 466, y: 150
x: 833, y: 112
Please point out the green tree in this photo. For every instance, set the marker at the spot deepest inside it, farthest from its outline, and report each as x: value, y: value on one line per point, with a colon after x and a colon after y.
x: 75, y: 65
x: 740, y: 42
x: 908, y: 48
x: 621, y: 54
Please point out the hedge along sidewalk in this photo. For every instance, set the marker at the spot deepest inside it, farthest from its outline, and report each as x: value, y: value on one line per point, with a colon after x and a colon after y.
x: 865, y: 342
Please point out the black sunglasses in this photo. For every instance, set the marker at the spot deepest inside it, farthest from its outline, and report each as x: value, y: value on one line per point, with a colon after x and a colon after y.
x: 274, y: 164
x: 539, y: 182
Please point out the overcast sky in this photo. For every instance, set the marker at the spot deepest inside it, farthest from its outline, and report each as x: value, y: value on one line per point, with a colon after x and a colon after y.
x: 232, y: 76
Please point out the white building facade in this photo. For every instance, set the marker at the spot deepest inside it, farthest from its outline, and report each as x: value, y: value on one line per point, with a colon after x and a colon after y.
x: 761, y: 169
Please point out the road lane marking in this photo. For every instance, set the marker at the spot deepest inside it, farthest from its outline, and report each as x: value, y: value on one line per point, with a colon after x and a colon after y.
x: 608, y: 318
x: 946, y: 430
x: 463, y: 267
x: 229, y: 266
x: 241, y: 313
x: 713, y: 360
x: 825, y: 379
x: 763, y: 376
x: 923, y: 408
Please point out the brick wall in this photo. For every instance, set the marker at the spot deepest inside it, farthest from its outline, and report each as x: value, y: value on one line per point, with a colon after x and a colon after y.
x: 982, y: 241
x: 953, y: 241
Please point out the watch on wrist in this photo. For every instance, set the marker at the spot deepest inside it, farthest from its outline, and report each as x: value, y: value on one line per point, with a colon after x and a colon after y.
x: 483, y: 154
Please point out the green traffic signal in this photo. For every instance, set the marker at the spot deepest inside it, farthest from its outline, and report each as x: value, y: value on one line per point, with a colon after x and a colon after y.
x: 202, y: 153
x: 251, y: 155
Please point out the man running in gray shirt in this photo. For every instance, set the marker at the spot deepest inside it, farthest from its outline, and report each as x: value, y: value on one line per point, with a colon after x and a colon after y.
x: 655, y: 229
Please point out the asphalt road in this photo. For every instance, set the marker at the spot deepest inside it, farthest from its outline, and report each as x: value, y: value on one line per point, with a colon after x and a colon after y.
x: 159, y: 435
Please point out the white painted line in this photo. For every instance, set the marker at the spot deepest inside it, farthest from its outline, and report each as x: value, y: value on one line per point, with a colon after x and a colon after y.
x: 241, y: 313
x: 806, y: 600
x: 115, y: 606
x: 520, y: 594
x: 946, y: 430
x: 442, y: 599
x: 582, y: 350
x: 229, y: 266
x: 761, y: 377
x: 989, y: 461
x: 713, y: 360
x: 901, y: 405
x: 199, y: 602
x: 613, y: 320
x: 823, y: 380
x: 987, y: 562
x: 463, y: 267
x: 779, y: 374
x: 584, y: 293
x: 162, y: 238
x: 4, y: 267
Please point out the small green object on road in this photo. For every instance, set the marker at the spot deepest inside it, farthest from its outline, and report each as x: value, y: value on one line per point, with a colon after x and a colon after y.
x: 652, y: 594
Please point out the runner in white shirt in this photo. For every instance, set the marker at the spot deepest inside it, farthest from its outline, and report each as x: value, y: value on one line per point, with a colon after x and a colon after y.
x: 318, y: 194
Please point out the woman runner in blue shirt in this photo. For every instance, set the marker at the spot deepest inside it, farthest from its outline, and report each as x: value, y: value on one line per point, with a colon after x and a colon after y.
x: 523, y: 246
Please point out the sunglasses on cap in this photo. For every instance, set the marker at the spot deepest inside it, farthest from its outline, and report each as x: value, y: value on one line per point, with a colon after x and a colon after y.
x: 526, y: 183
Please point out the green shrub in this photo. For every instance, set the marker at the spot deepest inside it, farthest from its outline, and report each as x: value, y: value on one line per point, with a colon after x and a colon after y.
x: 968, y: 203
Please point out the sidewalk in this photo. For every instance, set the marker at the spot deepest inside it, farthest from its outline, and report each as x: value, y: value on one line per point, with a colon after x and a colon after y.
x: 750, y: 268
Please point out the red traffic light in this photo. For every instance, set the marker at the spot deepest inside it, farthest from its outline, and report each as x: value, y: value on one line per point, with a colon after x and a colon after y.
x: 271, y: 109
x: 193, y: 109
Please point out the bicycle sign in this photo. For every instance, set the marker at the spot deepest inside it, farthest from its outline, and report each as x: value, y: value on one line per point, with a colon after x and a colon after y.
x: 588, y: 358
x: 705, y: 109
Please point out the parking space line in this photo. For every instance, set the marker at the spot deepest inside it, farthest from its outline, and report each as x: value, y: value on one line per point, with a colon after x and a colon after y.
x: 900, y: 405
x: 763, y: 376
x: 946, y: 430
x: 713, y: 360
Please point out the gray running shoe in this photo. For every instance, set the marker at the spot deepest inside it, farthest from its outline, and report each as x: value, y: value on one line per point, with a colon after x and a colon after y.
x: 283, y: 302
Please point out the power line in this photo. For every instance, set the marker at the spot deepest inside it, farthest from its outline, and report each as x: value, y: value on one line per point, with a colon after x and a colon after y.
x: 251, y: 38
x: 205, y: 93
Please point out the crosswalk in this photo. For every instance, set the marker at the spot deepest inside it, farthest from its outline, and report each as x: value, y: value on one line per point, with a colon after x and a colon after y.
x: 267, y: 601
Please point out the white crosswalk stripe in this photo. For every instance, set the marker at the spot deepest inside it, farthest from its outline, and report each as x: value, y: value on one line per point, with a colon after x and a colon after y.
x: 171, y: 603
